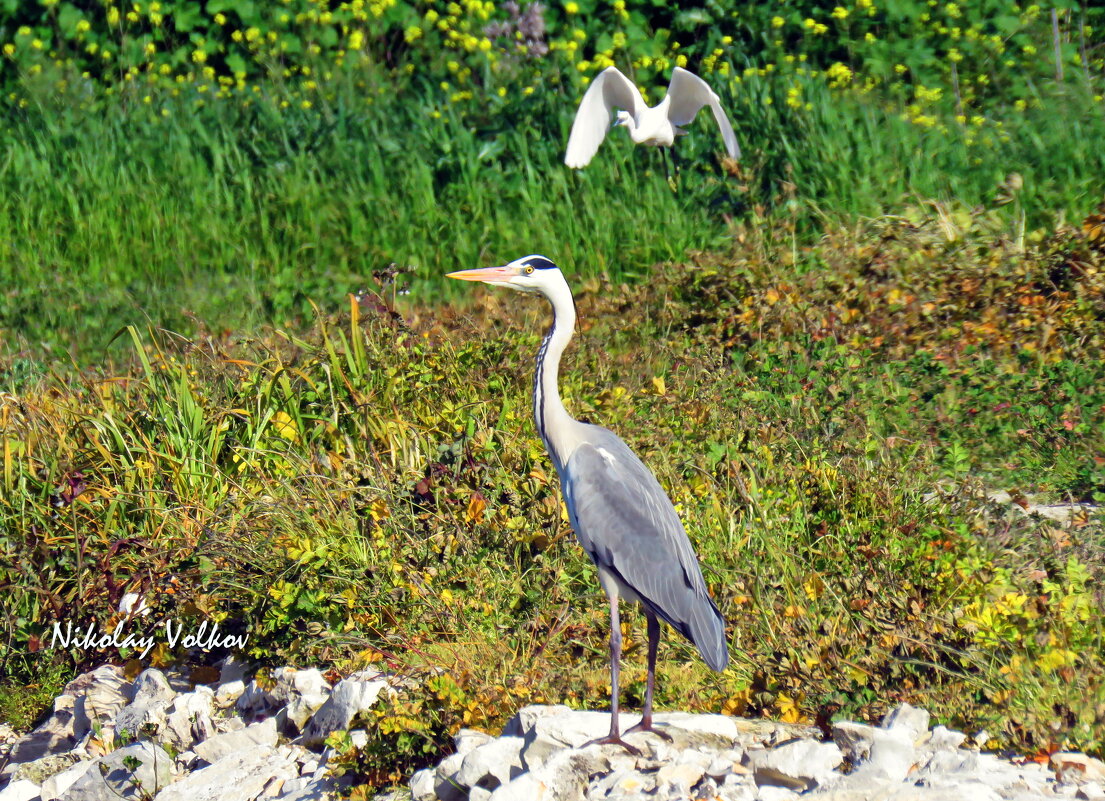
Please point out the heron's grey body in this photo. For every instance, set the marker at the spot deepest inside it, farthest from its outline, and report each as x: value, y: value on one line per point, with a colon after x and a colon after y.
x: 625, y: 522
x: 618, y: 510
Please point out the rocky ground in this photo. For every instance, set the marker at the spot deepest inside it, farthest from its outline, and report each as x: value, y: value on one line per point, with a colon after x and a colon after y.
x: 163, y: 738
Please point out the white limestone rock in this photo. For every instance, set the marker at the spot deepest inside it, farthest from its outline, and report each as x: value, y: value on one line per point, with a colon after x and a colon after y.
x: 21, y: 790
x: 131, y: 772
x: 467, y: 739
x: 304, y: 691
x: 1090, y: 791
x: 491, y: 764
x: 879, y: 753
x: 798, y: 765
x: 189, y: 719
x: 55, y: 786
x: 422, y: 785
x: 152, y: 694
x: 907, y: 719
x: 243, y: 775
x: 349, y: 698
x: 217, y: 748
x: 1075, y: 768
x: 98, y: 697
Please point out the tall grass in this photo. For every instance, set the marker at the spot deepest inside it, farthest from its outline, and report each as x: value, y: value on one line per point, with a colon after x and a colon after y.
x: 113, y: 214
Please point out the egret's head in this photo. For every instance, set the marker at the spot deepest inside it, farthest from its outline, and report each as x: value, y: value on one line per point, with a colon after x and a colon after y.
x: 529, y: 274
x: 622, y: 118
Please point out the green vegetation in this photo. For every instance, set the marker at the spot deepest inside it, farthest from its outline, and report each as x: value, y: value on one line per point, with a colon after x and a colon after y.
x: 248, y: 165
x: 372, y: 490
x: 832, y: 353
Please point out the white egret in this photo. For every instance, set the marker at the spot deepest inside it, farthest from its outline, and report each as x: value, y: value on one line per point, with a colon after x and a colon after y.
x: 620, y: 513
x: 657, y: 126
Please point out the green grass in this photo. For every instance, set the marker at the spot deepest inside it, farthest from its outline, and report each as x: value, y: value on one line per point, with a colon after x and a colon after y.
x: 231, y: 217
x: 373, y: 490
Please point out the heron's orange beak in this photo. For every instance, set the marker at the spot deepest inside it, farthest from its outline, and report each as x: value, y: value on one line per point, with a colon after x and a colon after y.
x: 489, y: 275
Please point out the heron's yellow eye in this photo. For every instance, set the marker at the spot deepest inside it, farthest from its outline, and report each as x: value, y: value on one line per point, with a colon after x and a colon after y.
x: 528, y: 269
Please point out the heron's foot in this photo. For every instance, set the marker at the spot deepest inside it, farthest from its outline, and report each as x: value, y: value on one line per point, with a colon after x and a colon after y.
x: 646, y: 724
x: 614, y: 739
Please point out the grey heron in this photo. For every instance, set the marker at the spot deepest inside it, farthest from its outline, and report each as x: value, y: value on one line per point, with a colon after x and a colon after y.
x: 658, y: 125
x: 621, y: 515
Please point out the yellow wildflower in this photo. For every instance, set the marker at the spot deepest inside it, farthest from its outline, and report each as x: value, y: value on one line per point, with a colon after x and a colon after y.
x: 9, y: 49
x: 840, y: 12
x: 220, y: 19
x: 571, y: 7
x: 199, y: 56
x: 777, y: 22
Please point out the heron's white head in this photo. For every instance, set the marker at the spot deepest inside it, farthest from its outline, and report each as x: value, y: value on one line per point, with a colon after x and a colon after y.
x: 531, y: 273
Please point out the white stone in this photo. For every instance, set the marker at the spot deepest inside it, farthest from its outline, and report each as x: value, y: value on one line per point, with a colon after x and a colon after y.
x: 492, y: 764
x: 678, y: 779
x: 228, y: 693
x: 152, y: 694
x: 907, y: 718
x: 189, y: 719
x: 467, y: 739
x: 99, y: 695
x: 446, y: 786
x: 770, y: 792
x: 110, y: 777
x: 943, y: 739
x: 57, y: 784
x: 349, y: 698
x: 621, y: 782
x: 21, y: 790
x: 797, y: 765
x: 1091, y: 791
x: 306, y: 691
x: 879, y: 753
x: 737, y: 788
x: 422, y: 785
x: 1073, y: 767
x: 479, y: 794
x: 216, y: 748
x: 358, y: 738
x: 240, y: 776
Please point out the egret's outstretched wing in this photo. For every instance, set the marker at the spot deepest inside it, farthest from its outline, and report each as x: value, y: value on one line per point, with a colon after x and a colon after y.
x: 608, y: 91
x: 688, y: 94
x: 626, y: 522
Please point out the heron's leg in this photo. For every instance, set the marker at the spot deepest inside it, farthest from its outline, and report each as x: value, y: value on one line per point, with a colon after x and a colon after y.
x: 650, y: 684
x: 614, y: 737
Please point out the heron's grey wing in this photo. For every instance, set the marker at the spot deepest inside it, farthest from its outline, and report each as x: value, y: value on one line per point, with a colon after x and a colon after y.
x: 626, y: 522
x: 610, y: 90
x: 689, y: 94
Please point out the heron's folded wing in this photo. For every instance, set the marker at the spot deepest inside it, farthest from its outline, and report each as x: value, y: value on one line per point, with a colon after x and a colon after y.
x: 625, y: 520
x: 610, y: 90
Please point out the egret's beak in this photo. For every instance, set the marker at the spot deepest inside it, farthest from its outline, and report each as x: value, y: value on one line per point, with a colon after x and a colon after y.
x: 489, y: 275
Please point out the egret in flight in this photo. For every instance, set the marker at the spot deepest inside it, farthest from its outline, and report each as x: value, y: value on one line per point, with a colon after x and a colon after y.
x: 620, y: 513
x: 658, y: 125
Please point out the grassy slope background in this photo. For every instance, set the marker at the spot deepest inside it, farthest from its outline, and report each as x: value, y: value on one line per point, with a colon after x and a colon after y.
x: 830, y: 354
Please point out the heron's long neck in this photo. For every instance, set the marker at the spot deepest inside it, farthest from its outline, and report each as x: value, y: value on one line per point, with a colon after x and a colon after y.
x: 554, y: 424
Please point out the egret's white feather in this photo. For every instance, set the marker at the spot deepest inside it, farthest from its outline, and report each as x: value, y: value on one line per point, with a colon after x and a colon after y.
x: 657, y: 126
